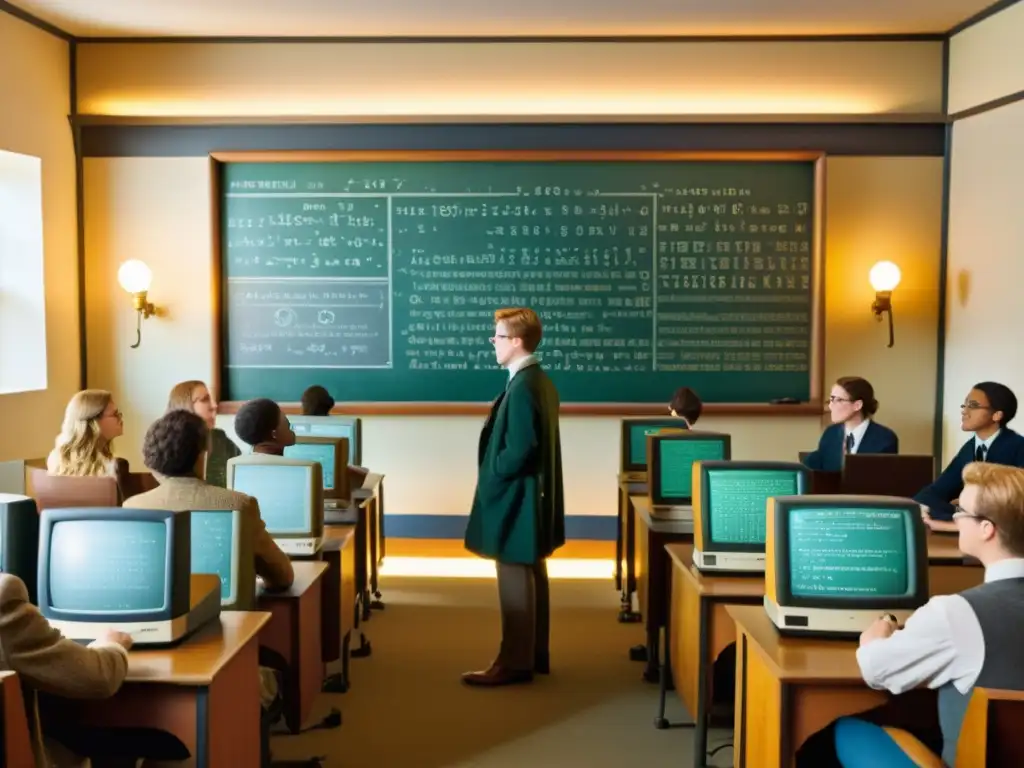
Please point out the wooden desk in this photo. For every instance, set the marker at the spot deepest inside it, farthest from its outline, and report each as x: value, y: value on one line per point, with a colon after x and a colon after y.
x: 625, y: 536
x: 294, y: 632
x: 950, y: 570
x: 789, y: 688
x: 339, y: 601
x: 653, y: 582
x: 699, y: 629
x: 204, y: 692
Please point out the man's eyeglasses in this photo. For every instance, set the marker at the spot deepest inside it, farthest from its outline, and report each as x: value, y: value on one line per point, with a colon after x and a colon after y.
x: 499, y: 336
x: 962, y: 514
x: 970, y: 405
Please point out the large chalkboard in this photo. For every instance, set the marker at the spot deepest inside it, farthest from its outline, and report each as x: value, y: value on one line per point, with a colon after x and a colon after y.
x: 377, y: 274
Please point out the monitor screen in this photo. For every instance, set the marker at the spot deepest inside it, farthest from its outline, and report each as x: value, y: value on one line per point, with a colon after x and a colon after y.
x: 634, y: 440
x: 322, y: 453
x: 108, y: 566
x: 348, y: 427
x: 734, y: 501
x: 671, y: 473
x: 283, y: 493
x: 842, y: 553
x: 214, y: 548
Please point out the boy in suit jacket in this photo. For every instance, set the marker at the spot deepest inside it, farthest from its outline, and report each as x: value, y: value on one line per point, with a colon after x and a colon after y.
x: 518, y: 516
x: 172, y: 450
x: 851, y: 403
x: 988, y: 409
x: 48, y: 662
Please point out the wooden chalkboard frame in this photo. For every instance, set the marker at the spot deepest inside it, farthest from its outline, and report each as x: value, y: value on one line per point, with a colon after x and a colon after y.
x: 817, y: 366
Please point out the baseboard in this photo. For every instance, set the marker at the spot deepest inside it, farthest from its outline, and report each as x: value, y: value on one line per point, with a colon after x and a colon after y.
x: 577, y: 527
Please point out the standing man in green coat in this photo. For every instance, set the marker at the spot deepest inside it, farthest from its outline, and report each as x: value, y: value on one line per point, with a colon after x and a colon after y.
x: 518, y: 515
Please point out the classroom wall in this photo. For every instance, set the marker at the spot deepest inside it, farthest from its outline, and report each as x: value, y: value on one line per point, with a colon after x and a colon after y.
x: 34, y: 105
x: 157, y: 208
x: 986, y: 61
x: 984, y: 312
x: 514, y: 79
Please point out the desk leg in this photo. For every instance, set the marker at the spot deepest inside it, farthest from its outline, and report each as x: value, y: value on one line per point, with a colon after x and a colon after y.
x: 618, y: 546
x: 652, y: 672
x: 700, y: 721
x: 628, y: 565
x: 376, y: 523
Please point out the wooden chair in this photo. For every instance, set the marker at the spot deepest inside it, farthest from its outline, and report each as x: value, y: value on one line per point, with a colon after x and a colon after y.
x: 16, y: 737
x: 991, y: 733
x: 56, y: 492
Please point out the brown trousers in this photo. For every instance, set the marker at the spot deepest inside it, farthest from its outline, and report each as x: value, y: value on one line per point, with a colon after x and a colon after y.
x: 525, y: 614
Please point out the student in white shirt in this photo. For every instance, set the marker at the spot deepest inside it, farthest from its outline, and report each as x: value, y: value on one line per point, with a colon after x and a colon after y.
x: 954, y: 642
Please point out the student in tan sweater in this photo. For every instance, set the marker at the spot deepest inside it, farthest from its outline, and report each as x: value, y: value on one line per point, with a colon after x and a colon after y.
x: 173, y: 448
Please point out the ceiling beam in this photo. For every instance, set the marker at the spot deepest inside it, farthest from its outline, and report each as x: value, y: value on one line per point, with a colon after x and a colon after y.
x: 35, y: 21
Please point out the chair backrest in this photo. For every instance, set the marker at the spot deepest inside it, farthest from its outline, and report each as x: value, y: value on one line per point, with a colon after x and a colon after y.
x: 57, y: 491
x: 16, y: 737
x: 134, y: 483
x: 991, y: 733
x: 886, y: 474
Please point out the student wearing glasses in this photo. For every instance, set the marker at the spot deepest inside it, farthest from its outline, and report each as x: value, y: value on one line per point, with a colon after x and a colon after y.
x: 988, y: 409
x: 195, y: 397
x: 852, y: 404
x: 954, y: 642
x: 84, y: 446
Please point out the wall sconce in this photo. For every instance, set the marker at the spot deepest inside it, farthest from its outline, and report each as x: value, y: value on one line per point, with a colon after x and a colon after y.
x: 135, y: 277
x: 884, y: 277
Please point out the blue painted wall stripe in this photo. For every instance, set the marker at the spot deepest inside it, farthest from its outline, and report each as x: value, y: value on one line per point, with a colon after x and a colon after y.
x: 587, y: 527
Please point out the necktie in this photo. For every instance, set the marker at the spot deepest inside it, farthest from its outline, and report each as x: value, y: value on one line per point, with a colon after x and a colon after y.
x: 849, y: 443
x: 979, y: 453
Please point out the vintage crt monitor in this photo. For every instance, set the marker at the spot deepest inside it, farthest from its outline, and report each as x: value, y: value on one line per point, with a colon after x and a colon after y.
x: 670, y: 458
x: 633, y: 443
x: 332, y: 455
x: 349, y: 427
x: 730, y: 510
x: 19, y: 539
x: 836, y: 563
x: 118, y: 568
x: 290, y: 493
x: 223, y: 542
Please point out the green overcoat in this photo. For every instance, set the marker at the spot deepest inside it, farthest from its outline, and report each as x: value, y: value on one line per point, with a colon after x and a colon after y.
x: 518, y: 513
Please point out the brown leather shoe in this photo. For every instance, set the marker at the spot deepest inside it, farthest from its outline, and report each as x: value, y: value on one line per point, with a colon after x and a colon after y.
x: 497, y: 675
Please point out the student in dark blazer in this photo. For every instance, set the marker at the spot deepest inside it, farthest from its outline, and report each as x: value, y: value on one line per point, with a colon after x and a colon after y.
x: 852, y: 404
x: 518, y: 514
x: 986, y: 412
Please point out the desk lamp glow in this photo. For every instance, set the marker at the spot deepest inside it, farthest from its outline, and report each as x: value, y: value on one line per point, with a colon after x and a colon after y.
x: 884, y: 277
x: 135, y: 277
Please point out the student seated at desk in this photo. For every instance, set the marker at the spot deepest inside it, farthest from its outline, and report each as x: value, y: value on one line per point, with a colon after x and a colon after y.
x: 173, y: 450
x: 954, y: 642
x: 174, y: 447
x: 262, y: 425
x: 317, y: 401
x: 852, y: 404
x: 686, y: 405
x: 195, y: 397
x: 83, y: 447
x: 989, y: 407
x: 48, y: 662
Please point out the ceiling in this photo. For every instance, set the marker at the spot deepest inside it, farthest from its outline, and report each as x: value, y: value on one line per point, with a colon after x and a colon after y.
x: 510, y: 18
